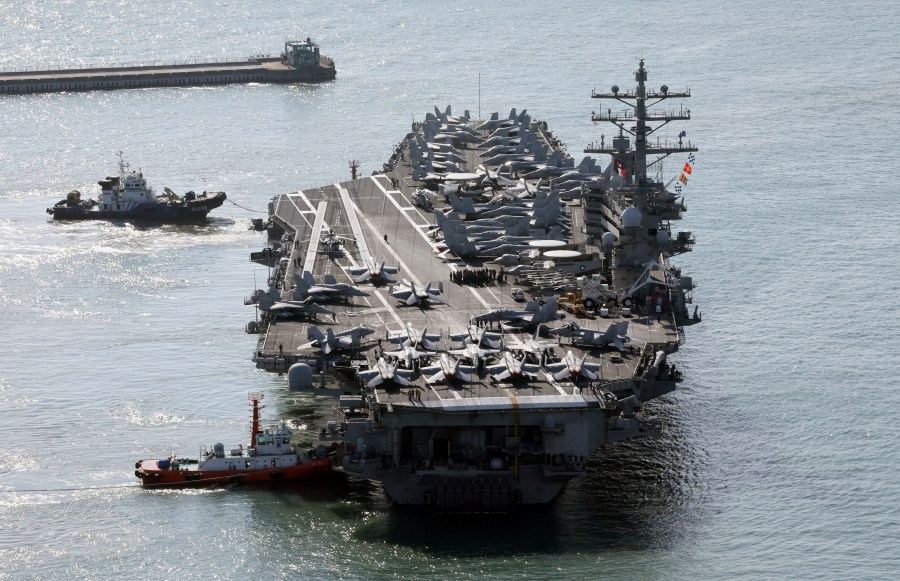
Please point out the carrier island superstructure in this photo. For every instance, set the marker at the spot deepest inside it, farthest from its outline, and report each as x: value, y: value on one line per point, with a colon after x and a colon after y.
x: 484, y: 312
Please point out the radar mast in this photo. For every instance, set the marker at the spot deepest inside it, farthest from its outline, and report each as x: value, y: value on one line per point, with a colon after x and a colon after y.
x: 638, y: 122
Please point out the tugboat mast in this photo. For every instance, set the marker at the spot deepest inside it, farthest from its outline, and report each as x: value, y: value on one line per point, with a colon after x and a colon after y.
x: 633, y: 162
x: 254, y: 401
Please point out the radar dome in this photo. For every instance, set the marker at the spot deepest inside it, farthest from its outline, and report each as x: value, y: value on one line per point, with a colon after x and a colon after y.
x: 631, y: 217
x: 300, y: 376
x: 662, y: 236
x: 609, y: 239
x: 615, y: 89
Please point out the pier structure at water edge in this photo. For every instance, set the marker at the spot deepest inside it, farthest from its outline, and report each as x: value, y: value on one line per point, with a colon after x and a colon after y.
x: 301, y: 61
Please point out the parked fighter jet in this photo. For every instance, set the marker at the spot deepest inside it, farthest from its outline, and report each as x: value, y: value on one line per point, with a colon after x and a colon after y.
x: 447, y: 369
x: 478, y: 336
x: 615, y: 334
x: 408, y: 354
x: 412, y: 336
x: 521, y: 159
x: 447, y: 117
x: 410, y: 340
x: 572, y: 366
x: 374, y: 271
x: 536, y: 312
x: 385, y: 372
x: 474, y: 352
x: 329, y: 341
x: 466, y: 205
x: 534, y: 347
x: 512, y: 368
x: 449, y: 132
x: 407, y: 293
x: 460, y: 244
x: 495, y: 122
x: 271, y: 302
x: 305, y: 286
x: 501, y: 177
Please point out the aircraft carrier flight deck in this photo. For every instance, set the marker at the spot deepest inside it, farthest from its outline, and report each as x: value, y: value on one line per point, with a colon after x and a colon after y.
x: 400, y: 233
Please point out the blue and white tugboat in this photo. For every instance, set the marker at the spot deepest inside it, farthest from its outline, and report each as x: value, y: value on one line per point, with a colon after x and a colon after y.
x: 128, y: 197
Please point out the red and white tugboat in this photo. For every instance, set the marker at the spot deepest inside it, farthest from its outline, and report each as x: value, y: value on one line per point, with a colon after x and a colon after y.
x: 271, y: 458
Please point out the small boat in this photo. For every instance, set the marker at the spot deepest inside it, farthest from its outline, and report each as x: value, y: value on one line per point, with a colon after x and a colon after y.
x: 271, y: 458
x: 127, y: 196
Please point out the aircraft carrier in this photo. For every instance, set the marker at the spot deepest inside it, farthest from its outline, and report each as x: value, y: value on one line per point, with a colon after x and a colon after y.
x: 485, y: 312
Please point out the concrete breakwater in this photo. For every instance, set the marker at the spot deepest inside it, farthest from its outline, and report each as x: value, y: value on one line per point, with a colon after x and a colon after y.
x: 300, y: 62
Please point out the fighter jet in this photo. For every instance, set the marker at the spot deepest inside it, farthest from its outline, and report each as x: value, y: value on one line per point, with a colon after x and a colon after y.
x: 470, y: 208
x: 615, y: 334
x: 572, y: 366
x: 473, y: 351
x: 534, y: 347
x: 557, y: 164
x: 412, y: 336
x: 305, y: 286
x: 495, y: 122
x: 329, y: 341
x: 449, y: 132
x: 478, y: 336
x: 588, y: 166
x: 447, y: 117
x: 271, y: 302
x: 536, y: 312
x: 408, y: 354
x: 462, y: 245
x: 512, y: 225
x: 527, y: 149
x: 512, y: 368
x: 374, y: 271
x: 447, y: 369
x: 385, y: 372
x: 407, y: 293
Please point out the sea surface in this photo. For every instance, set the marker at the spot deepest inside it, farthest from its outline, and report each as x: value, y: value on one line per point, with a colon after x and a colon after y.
x: 778, y: 457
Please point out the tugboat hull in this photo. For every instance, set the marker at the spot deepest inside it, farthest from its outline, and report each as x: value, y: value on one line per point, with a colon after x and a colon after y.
x: 169, y: 475
x: 193, y: 212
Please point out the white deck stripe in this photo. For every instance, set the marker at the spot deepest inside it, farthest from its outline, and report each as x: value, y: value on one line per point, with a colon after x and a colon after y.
x: 351, y: 209
x: 312, y: 249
